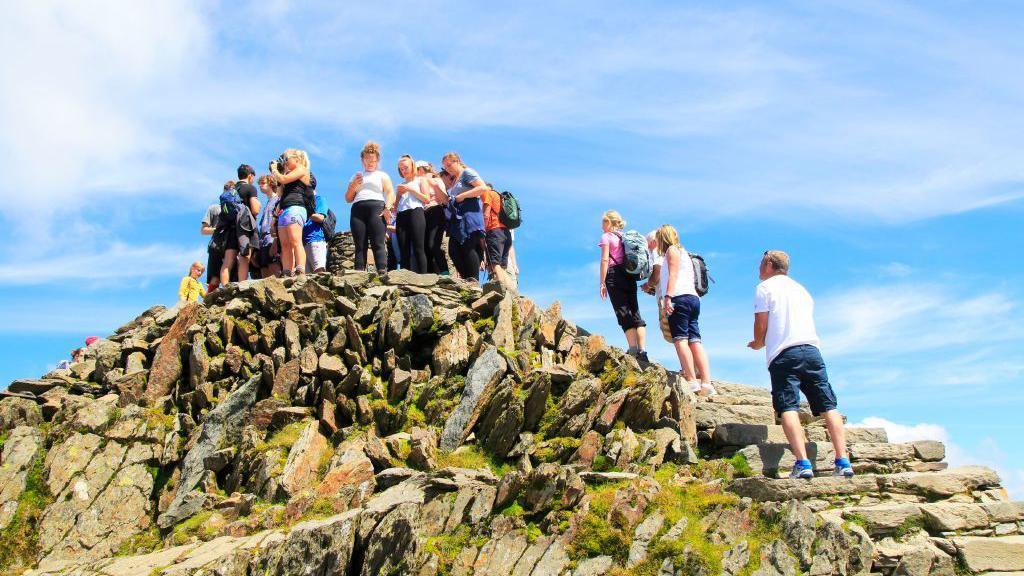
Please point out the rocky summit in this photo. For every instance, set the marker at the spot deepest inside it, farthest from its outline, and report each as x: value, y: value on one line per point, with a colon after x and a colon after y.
x: 345, y: 424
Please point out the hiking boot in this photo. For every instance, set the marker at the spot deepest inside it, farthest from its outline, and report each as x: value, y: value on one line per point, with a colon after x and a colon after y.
x: 642, y: 356
x: 802, y: 470
x: 843, y: 468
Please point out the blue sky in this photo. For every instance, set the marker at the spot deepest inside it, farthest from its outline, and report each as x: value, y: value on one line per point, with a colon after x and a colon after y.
x: 878, y: 143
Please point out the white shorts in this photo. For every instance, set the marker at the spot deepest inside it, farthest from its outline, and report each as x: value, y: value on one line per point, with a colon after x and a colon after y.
x: 316, y: 256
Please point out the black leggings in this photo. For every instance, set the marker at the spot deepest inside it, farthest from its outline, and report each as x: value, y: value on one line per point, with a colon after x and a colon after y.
x: 621, y: 286
x: 434, y: 247
x: 411, y: 227
x: 368, y: 227
x: 468, y: 255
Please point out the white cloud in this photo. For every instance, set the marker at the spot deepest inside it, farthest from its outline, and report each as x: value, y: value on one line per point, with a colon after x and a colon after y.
x: 115, y: 264
x: 986, y: 453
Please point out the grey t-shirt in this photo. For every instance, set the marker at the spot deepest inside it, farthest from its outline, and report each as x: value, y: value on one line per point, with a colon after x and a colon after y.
x: 212, y: 216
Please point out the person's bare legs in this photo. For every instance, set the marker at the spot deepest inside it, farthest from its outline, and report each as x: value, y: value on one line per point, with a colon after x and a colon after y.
x: 794, y: 434
x: 243, y: 268
x: 293, y: 257
x: 836, y: 431
x: 685, y: 359
x: 230, y: 256
x: 287, y: 254
x: 631, y: 338
x: 641, y: 338
x: 700, y: 362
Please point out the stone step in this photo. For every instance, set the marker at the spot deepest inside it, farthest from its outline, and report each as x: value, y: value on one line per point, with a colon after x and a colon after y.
x: 908, y: 486
x: 772, y: 458
x: 999, y: 555
x: 942, y: 518
x: 737, y: 434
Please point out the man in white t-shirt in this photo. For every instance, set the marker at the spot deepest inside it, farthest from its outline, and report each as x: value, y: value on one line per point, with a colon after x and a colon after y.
x: 784, y: 327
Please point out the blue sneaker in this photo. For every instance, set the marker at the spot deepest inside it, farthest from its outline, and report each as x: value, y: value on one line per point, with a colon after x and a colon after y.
x: 843, y: 468
x: 802, y: 469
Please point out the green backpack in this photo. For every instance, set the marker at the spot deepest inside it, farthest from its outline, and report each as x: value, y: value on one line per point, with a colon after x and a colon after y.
x: 510, y: 214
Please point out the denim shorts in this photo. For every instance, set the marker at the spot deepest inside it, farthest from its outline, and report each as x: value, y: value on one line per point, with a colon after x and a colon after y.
x: 682, y: 322
x: 292, y: 215
x: 800, y: 369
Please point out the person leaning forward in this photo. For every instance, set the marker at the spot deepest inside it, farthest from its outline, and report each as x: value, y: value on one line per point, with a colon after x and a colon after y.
x: 784, y: 327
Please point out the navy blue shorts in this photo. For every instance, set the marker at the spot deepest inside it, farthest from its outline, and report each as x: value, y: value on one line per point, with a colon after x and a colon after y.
x: 682, y: 322
x: 800, y: 369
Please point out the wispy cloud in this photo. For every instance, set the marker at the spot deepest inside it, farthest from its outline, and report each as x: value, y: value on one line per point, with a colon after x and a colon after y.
x: 114, y: 264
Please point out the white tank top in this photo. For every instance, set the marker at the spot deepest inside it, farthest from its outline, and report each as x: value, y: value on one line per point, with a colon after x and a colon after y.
x: 684, y: 277
x: 372, y: 188
x: 408, y: 201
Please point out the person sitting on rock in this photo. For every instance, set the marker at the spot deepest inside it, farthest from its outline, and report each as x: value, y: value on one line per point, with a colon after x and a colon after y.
x: 191, y: 289
x: 784, y: 327
x: 619, y: 285
x: 681, y: 307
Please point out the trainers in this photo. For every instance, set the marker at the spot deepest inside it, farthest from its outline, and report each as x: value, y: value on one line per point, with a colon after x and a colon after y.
x: 708, y: 390
x: 695, y: 387
x: 642, y: 356
x: 802, y: 469
x: 843, y: 468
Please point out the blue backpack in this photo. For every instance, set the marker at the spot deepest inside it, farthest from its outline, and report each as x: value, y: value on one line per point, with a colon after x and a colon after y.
x: 230, y: 206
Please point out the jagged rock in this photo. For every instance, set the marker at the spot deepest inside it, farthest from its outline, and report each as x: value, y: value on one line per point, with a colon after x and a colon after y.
x: 642, y: 407
x: 454, y: 349
x: 842, y: 552
x: 536, y: 401
x: 392, y: 547
x: 548, y: 324
x: 485, y: 372
x: 377, y: 451
x: 300, y: 470
x: 504, y: 333
x: 589, y: 448
x: 166, y: 368
x: 349, y: 481
x: 577, y: 408
x: 594, y: 566
x: 222, y: 424
x: 498, y: 554
x: 500, y: 425
x: 286, y: 379
x: 630, y: 503
x: 273, y: 297
x: 554, y: 560
x: 776, y: 561
x: 16, y: 412
x: 735, y: 559
x: 642, y: 537
x: 19, y: 452
x: 316, y: 547
x: 423, y: 453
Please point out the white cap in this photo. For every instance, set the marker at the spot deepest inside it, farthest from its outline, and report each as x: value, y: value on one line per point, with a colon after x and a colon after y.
x: 422, y: 164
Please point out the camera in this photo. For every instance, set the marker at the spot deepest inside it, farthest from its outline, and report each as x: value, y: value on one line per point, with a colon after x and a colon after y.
x: 279, y: 163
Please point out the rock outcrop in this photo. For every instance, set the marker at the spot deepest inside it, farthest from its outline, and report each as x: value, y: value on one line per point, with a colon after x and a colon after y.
x: 343, y: 424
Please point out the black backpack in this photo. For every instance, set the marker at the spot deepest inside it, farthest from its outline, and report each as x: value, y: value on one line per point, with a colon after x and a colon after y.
x: 329, y: 225
x: 510, y: 215
x: 700, y: 275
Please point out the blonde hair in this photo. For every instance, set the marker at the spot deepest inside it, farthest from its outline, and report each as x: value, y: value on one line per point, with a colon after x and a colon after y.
x: 412, y: 164
x: 778, y: 259
x: 614, y: 220
x: 451, y: 157
x: 197, y: 265
x: 667, y: 237
x: 299, y: 155
x: 371, y: 147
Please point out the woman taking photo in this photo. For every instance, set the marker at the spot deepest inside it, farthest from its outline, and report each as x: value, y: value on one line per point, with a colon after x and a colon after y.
x: 373, y: 200
x: 465, y: 218
x: 433, y: 213
x: 411, y: 223
x: 681, y: 306
x: 620, y: 285
x: 295, y: 190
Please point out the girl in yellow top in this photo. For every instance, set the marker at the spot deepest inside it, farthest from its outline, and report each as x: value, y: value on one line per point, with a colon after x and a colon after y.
x: 191, y: 289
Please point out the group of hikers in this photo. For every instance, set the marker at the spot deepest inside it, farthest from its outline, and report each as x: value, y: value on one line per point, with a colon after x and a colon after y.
x: 783, y: 326
x: 404, y: 224
x: 401, y: 223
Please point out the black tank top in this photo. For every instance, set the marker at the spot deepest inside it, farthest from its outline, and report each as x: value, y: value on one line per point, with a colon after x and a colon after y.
x: 295, y: 194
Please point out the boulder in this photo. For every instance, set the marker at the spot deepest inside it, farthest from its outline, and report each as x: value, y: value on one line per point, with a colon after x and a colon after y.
x: 423, y: 453
x: 485, y: 372
x: 16, y: 458
x: 16, y: 412
x: 221, y: 427
x: 1001, y: 554
x: 302, y: 466
x: 167, y: 368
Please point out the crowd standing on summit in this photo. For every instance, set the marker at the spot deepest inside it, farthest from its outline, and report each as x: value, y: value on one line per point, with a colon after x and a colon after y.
x: 403, y: 223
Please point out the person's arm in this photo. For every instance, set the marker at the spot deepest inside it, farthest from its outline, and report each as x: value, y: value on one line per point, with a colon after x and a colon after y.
x: 297, y: 174
x: 479, y: 187
x: 604, y: 271
x: 649, y: 286
x: 418, y: 192
x: 183, y: 288
x: 760, y: 331
x: 206, y: 230
x: 389, y: 197
x: 254, y: 204
x: 202, y: 289
x: 353, y: 187
x: 671, y: 257
x: 440, y: 194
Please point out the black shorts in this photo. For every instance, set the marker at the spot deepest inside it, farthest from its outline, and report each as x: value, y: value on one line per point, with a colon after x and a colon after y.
x: 231, y: 242
x: 213, y: 262
x: 800, y: 369
x: 621, y: 286
x: 499, y: 242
